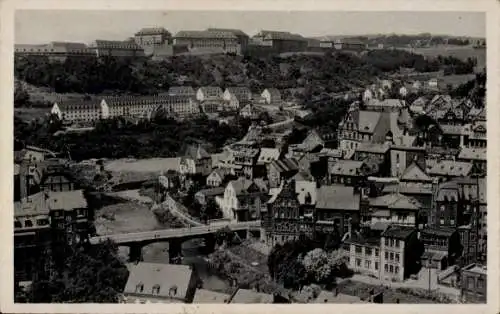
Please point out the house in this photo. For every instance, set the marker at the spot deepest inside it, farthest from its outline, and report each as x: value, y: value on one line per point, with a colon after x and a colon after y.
x: 448, y: 169
x: 473, y: 283
x: 475, y: 156
x: 246, y: 296
x: 400, y: 253
x: 364, y: 252
x: 348, y: 172
x: 305, y: 187
x: 159, y: 283
x: 271, y: 96
x: 338, y: 207
x: 250, y: 111
x: 477, y: 136
x: 402, y: 156
x: 376, y: 152
x: 280, y: 170
x: 442, y: 247
x: 280, y: 42
x: 205, y: 195
x: 70, y: 215
x: 285, y: 219
x: 245, y: 161
x: 395, y: 208
x: 195, y: 160
x: 243, y: 200
x: 152, y: 36
x: 217, y: 176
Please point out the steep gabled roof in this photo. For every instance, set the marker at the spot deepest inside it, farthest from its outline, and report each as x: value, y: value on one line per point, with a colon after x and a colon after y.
x: 337, y: 197
x: 415, y: 173
x: 195, y: 152
x: 396, y: 201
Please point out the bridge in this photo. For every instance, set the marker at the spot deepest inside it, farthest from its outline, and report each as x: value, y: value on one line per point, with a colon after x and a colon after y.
x: 176, y: 233
x: 175, y: 237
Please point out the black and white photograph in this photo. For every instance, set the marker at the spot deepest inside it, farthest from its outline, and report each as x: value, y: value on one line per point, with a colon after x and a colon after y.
x: 249, y: 157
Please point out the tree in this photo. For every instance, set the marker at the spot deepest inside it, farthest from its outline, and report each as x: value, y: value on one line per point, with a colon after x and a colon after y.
x: 90, y: 274
x: 317, y: 265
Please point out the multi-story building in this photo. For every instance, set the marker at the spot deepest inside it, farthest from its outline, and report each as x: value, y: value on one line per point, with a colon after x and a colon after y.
x: 476, y: 156
x: 243, y: 200
x: 286, y: 220
x: 391, y: 253
x: 337, y: 206
x: 55, y: 51
x: 44, y: 220
x: 195, y: 160
x: 271, y: 96
x: 348, y: 172
x: 146, y: 107
x: 152, y: 36
x: 243, y: 38
x: 116, y: 48
x: 474, y: 283
x: 442, y: 247
x: 78, y: 112
x: 341, y: 43
x: 226, y: 41
x: 280, y: 41
x: 209, y: 93
x: 395, y: 208
x: 237, y: 96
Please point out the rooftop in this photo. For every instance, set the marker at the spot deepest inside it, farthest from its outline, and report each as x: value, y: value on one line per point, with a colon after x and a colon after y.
x: 476, y: 268
x: 219, y: 34
x: 346, y: 167
x: 398, y: 232
x: 330, y: 297
x: 396, y: 201
x: 169, y: 280
x: 249, y: 296
x: 337, y: 197
x: 66, y: 200
x: 441, y: 231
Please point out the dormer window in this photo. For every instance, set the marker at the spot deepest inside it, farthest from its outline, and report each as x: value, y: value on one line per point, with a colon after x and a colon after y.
x: 156, y: 289
x: 139, y: 288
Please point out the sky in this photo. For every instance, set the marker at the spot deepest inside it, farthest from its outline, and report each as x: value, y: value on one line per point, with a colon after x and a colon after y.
x: 42, y: 26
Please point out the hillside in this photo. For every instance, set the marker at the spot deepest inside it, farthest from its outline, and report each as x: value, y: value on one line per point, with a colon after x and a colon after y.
x: 331, y: 72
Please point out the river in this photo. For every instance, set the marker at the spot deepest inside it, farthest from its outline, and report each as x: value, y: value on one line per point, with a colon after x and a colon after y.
x: 193, y: 255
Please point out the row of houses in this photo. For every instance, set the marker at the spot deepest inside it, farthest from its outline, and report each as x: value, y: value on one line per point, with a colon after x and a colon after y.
x: 181, y: 102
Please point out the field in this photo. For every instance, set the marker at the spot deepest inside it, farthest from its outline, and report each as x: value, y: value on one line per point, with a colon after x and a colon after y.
x: 458, y: 52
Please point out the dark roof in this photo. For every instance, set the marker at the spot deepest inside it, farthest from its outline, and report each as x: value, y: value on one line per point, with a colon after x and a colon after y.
x: 115, y: 44
x: 275, y: 35
x: 337, y: 197
x: 212, y: 191
x: 77, y: 105
x: 398, y: 232
x: 285, y: 165
x: 206, y: 34
x: 441, y: 231
x: 152, y: 31
x: 145, y: 100
x: 236, y: 32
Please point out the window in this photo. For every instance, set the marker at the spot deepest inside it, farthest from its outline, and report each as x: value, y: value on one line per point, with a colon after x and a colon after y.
x: 386, y: 267
x: 391, y: 268
x: 139, y: 287
x: 376, y: 252
x: 17, y: 224
x: 441, y: 221
x: 392, y: 242
x: 358, y: 249
x: 392, y: 256
x: 397, y: 243
x: 28, y: 223
x: 386, y: 255
x: 470, y: 284
x: 442, y: 207
x: 358, y: 262
x: 452, y: 221
x: 386, y: 242
x: 396, y: 270
x: 156, y: 289
x: 376, y: 265
x: 368, y: 251
x: 397, y: 257
x: 480, y: 283
x: 367, y: 264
